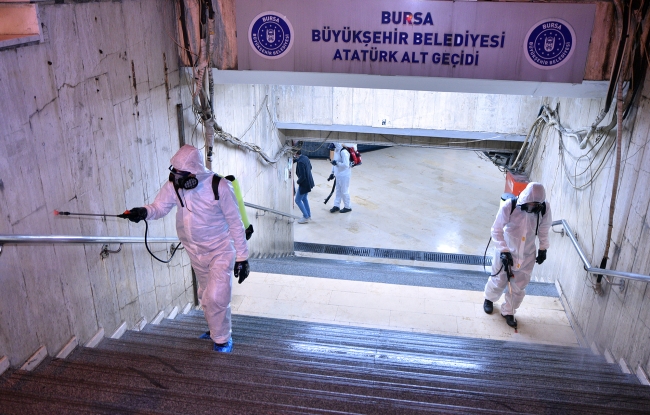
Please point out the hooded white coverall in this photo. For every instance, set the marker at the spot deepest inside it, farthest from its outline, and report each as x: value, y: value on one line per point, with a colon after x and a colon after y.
x: 515, y: 233
x: 212, y: 233
x: 342, y: 172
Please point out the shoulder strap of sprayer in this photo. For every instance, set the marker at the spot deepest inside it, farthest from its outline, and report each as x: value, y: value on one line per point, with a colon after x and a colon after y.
x: 215, y: 186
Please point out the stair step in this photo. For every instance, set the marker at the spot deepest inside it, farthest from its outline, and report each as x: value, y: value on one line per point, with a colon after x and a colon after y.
x: 22, y: 403
x: 588, y: 364
x: 266, y: 373
x: 285, y: 367
x: 199, y: 396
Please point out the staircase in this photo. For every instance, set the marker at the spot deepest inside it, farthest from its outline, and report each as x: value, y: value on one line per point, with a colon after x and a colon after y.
x: 292, y: 367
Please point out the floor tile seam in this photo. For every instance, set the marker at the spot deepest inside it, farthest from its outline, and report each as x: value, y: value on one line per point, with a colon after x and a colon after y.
x: 441, y: 290
x: 438, y: 290
x: 424, y: 313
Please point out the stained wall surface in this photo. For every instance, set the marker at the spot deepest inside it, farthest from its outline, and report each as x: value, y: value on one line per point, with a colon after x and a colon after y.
x: 247, y: 113
x: 578, y: 181
x: 88, y: 123
x: 579, y: 185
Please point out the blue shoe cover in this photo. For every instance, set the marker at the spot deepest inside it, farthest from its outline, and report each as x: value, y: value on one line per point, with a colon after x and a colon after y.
x: 205, y: 336
x: 223, y: 348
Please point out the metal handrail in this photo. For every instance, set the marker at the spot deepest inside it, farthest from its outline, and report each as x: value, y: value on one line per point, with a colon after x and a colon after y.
x: 65, y: 239
x: 587, y: 264
x: 70, y: 239
x: 277, y: 212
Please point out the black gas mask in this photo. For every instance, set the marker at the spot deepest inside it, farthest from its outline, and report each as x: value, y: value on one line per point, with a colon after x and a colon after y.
x: 182, y: 179
x: 534, y: 207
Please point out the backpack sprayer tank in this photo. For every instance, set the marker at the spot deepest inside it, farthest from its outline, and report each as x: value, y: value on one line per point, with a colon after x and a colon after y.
x: 515, y: 184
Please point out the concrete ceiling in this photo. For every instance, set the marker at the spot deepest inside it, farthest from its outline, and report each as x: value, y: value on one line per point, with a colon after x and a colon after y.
x: 587, y: 89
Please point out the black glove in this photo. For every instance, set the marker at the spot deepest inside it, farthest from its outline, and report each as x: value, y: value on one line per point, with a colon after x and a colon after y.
x: 134, y: 214
x: 242, y: 269
x: 541, y: 256
x: 249, y: 231
x: 331, y: 177
x: 333, y: 162
x: 506, y: 259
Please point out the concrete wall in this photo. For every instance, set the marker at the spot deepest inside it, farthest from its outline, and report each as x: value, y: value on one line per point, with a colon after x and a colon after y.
x: 504, y: 114
x: 88, y: 123
x: 247, y: 112
x: 618, y: 321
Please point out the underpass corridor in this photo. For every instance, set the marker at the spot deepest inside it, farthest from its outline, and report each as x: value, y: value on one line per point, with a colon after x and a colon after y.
x: 405, y: 198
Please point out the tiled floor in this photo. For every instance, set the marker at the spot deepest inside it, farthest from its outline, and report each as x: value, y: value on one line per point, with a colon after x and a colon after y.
x: 398, y: 307
x: 409, y: 198
x: 404, y: 198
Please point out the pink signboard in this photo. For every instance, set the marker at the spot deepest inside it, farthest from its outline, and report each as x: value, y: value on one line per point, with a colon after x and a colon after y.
x: 480, y: 40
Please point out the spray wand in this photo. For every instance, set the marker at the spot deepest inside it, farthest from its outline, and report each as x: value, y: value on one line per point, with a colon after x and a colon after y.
x: 56, y: 212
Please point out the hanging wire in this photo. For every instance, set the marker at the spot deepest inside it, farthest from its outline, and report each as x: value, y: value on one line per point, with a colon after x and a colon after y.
x: 577, y: 168
x: 229, y: 138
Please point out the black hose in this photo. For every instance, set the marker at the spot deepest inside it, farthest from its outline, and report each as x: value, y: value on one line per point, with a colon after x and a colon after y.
x: 484, y: 256
x: 146, y: 231
x: 331, y: 193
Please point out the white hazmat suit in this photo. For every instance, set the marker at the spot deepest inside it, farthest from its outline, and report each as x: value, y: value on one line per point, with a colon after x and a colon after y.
x: 515, y: 233
x: 342, y: 172
x: 212, y: 233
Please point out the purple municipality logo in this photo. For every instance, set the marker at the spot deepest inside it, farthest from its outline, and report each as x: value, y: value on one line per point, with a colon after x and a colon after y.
x: 549, y: 43
x: 270, y: 35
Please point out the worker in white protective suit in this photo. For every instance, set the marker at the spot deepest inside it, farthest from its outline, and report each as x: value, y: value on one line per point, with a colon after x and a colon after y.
x: 342, y: 171
x: 514, y: 231
x: 211, y: 231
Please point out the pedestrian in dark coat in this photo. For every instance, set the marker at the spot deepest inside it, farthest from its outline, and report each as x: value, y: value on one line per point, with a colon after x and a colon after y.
x: 305, y: 184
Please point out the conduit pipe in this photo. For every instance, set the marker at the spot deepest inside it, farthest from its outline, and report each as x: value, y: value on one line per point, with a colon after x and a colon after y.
x: 619, y: 140
x: 622, y: 24
x: 617, y: 169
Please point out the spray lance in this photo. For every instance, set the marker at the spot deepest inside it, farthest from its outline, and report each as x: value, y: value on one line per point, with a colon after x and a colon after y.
x: 124, y: 215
